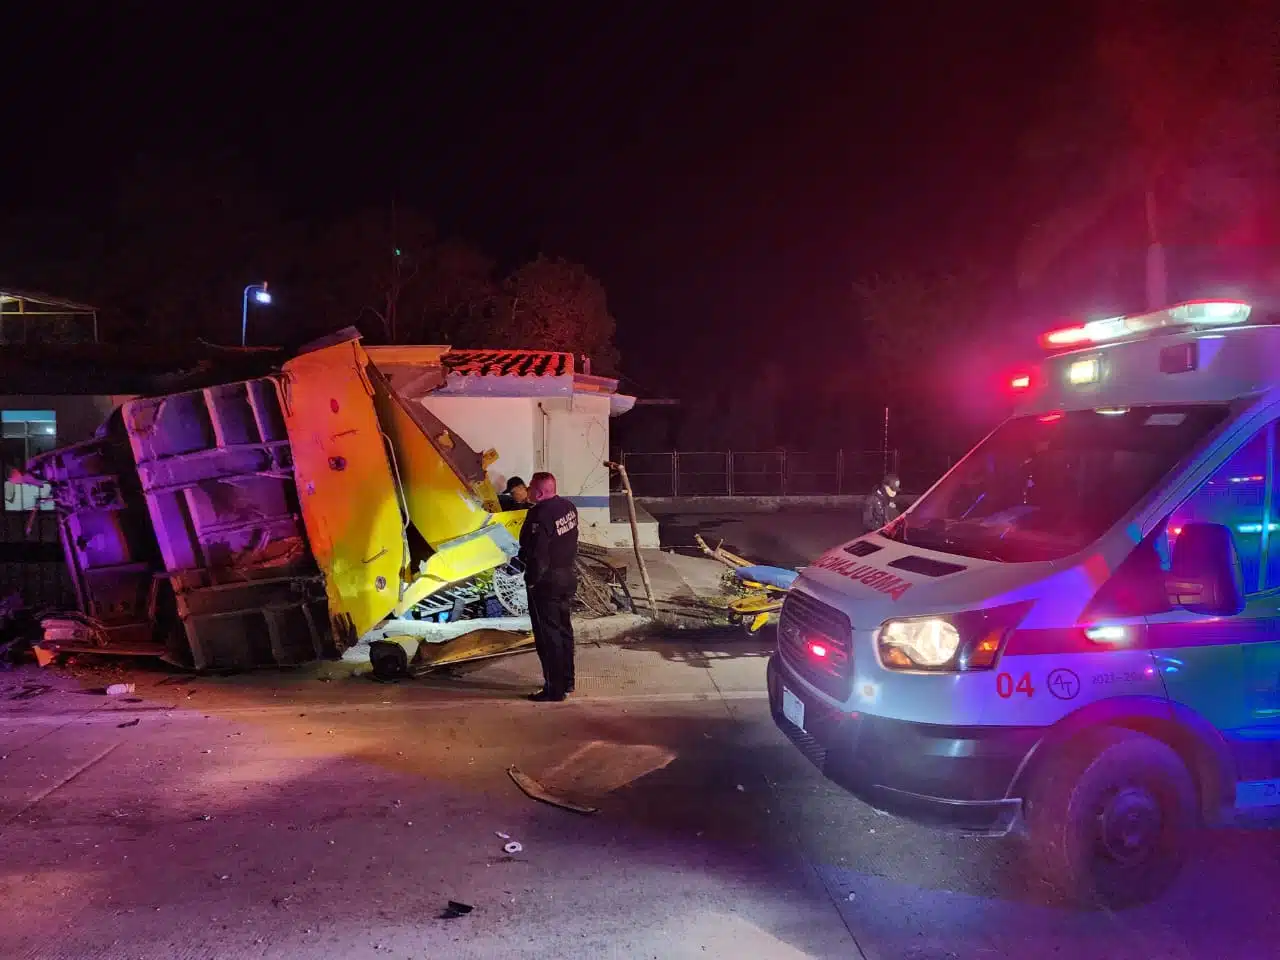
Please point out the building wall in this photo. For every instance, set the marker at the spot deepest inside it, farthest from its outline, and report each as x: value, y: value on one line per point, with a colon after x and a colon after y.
x: 569, y: 437
x: 77, y: 417
x: 505, y: 424
x: 578, y: 446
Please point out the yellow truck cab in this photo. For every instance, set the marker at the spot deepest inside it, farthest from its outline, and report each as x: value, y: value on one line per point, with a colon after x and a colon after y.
x: 1074, y: 635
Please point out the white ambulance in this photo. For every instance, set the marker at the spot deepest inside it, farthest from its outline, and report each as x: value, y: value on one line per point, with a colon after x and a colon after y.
x: 1075, y: 634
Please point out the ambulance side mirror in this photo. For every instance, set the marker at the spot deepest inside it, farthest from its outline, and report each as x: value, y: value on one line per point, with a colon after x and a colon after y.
x: 1204, y: 573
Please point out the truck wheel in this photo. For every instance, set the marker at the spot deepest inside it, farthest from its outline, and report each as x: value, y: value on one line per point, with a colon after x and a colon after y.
x: 1110, y: 817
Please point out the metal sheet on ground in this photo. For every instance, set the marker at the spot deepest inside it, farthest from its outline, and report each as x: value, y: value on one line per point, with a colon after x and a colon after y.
x: 477, y: 645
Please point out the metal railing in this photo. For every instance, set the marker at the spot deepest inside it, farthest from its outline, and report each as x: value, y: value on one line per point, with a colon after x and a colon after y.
x: 771, y: 473
x: 32, y: 564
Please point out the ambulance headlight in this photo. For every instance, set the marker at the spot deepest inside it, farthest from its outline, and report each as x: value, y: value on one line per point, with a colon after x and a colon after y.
x: 929, y: 643
x: 963, y: 641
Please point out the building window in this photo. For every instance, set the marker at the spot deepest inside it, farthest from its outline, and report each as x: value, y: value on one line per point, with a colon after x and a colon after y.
x: 25, y: 434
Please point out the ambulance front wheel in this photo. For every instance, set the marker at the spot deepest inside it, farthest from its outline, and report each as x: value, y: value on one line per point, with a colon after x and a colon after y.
x: 1110, y: 817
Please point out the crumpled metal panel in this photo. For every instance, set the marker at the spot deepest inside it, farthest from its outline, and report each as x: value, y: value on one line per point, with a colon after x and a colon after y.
x: 216, y: 469
x: 349, y: 496
x: 108, y: 543
x: 448, y: 498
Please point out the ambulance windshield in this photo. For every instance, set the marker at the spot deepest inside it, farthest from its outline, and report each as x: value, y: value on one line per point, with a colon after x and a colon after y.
x: 1044, y: 487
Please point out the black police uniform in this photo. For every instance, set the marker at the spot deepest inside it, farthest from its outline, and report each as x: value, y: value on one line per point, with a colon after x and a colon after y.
x: 548, y: 550
x: 879, y: 510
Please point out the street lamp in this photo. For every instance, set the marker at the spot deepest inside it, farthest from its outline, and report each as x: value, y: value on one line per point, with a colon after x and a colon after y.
x: 260, y: 295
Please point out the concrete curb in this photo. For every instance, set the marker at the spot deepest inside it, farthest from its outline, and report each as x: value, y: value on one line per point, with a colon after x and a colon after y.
x: 622, y: 626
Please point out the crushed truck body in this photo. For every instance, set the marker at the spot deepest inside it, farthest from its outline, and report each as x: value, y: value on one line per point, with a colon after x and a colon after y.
x: 271, y: 521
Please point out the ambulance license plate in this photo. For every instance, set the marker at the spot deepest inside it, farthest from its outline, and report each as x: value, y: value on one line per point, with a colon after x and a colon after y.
x: 793, y: 708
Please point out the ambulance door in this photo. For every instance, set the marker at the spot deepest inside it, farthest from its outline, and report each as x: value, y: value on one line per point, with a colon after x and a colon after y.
x: 1227, y: 669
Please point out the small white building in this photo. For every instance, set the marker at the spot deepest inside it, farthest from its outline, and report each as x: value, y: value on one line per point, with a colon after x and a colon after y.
x: 537, y: 411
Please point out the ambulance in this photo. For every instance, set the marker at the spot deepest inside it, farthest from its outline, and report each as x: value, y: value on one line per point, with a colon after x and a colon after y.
x: 1074, y: 636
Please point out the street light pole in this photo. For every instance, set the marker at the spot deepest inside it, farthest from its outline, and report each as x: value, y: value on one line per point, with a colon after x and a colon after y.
x: 260, y: 294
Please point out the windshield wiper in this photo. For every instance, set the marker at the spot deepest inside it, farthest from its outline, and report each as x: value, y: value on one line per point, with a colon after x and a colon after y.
x: 897, y: 530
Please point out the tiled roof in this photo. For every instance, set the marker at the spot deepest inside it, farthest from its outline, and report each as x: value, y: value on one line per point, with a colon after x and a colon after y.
x: 508, y: 363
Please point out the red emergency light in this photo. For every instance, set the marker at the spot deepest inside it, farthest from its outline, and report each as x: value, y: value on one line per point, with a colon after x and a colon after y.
x: 1066, y: 337
x: 1209, y: 313
x: 818, y: 650
x: 1021, y: 382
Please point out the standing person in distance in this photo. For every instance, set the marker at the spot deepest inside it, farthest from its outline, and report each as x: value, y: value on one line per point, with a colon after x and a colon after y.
x: 548, y: 551
x: 881, y: 507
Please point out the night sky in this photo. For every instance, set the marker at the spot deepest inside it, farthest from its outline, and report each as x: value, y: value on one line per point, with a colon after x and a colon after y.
x: 726, y: 170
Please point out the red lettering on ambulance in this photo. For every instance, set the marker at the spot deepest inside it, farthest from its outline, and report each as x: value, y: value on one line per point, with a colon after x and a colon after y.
x: 880, y: 580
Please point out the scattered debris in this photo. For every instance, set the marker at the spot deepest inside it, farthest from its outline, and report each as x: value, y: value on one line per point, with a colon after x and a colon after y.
x: 535, y: 791
x: 514, y: 847
x: 501, y: 836
x: 19, y: 629
x: 130, y: 723
x: 454, y: 909
x: 741, y: 788
x: 32, y: 690
x: 120, y: 689
x: 481, y: 644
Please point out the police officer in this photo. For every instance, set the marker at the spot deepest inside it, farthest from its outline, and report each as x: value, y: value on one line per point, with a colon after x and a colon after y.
x: 548, y: 550
x: 882, y: 506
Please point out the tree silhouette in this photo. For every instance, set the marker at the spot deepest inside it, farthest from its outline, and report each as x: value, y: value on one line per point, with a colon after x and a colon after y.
x: 553, y: 304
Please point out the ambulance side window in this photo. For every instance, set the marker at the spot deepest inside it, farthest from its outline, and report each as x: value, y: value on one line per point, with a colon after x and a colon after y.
x: 1235, y: 496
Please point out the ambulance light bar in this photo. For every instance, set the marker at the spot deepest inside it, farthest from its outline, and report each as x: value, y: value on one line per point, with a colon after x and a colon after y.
x: 1190, y: 314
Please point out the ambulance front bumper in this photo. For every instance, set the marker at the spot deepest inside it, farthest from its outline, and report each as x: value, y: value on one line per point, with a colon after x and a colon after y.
x: 953, y: 777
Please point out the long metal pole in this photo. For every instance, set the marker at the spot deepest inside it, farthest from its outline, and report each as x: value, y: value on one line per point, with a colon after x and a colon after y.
x: 635, y: 534
x: 884, y: 444
x: 244, y: 314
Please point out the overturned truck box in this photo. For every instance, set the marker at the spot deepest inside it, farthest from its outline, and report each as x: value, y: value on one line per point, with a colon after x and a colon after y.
x: 269, y: 521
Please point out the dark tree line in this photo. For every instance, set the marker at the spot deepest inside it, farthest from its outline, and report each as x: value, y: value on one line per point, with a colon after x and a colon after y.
x: 169, y: 257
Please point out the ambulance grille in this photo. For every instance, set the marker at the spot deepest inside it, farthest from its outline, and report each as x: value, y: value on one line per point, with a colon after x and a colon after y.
x: 805, y: 621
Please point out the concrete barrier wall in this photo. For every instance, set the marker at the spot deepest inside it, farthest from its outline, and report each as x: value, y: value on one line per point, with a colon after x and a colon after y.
x: 659, y: 506
x: 668, y: 505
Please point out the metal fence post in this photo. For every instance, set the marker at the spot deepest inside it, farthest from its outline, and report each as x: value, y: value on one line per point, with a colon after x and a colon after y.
x: 782, y: 471
x: 840, y: 471
x: 728, y: 472
x: 675, y: 473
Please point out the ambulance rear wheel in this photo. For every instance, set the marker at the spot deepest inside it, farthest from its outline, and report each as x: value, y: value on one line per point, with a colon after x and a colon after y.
x: 1111, y: 817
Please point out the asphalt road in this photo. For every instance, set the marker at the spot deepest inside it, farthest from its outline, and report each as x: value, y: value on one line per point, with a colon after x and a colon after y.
x: 787, y: 538
x: 282, y: 816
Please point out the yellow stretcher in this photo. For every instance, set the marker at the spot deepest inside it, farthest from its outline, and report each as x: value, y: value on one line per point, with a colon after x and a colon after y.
x: 766, y: 587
